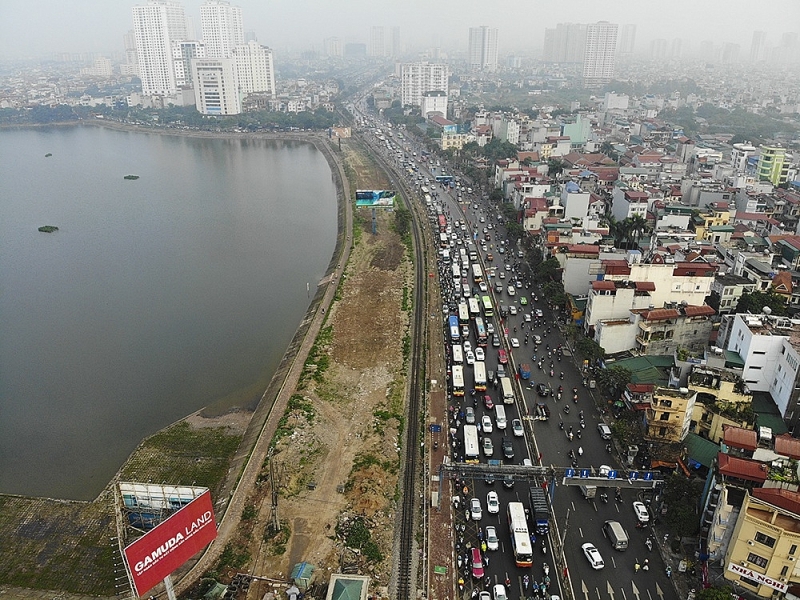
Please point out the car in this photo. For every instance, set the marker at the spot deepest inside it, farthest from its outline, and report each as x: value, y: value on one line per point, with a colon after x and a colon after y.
x: 475, y: 510
x: 537, y: 339
x: 514, y: 343
x: 467, y: 346
x: 502, y: 356
x: 527, y: 318
x: 484, y: 595
x: 523, y: 300
x: 492, y: 543
x: 485, y: 230
x: 490, y: 226
x: 488, y: 448
x: 469, y: 417
x: 508, y: 448
x: 483, y: 287
x: 508, y: 267
x: 486, y: 424
x: 508, y: 481
x: 476, y: 563
x: 539, y: 313
x: 498, y: 288
x: 502, y: 275
x: 490, y: 256
x: 489, y: 479
x: 495, y: 341
x: 492, y: 503
x: 501, y: 250
x: 501, y: 370
x: 640, y: 510
x: 603, y: 470
x: 470, y: 357
x: 543, y: 390
x: 487, y: 402
x: 516, y: 427
x: 512, y: 310
x: 511, y: 290
x: 490, y: 329
x: 479, y: 355
x: 604, y: 430
x: 593, y: 556
x: 499, y: 592
x: 482, y: 220
x: 465, y: 331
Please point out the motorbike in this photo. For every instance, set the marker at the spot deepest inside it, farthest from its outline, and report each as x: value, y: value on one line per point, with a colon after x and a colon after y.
x: 552, y: 372
x: 580, y: 450
x: 460, y: 561
x: 583, y: 424
x: 646, y: 565
x: 604, y: 498
x: 546, y: 568
x: 608, y: 447
x: 526, y: 581
x: 649, y: 544
x: 562, y: 375
x: 561, y: 425
x: 566, y: 409
x: 579, y: 434
x: 558, y: 396
x: 461, y: 583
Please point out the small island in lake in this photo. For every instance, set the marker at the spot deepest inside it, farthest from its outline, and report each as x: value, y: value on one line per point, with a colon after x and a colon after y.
x: 48, y: 155
x: 131, y: 177
x: 48, y: 228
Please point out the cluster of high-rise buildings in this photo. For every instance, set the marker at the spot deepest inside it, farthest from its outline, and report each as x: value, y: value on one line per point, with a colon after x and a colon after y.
x: 594, y: 45
x: 214, y: 73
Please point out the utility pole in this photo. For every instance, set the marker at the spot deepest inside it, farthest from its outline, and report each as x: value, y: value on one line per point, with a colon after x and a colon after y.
x: 273, y: 516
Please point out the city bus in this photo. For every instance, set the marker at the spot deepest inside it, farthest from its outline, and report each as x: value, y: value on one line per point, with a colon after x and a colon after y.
x: 480, y: 332
x: 442, y: 223
x: 520, y: 538
x: 425, y: 190
x: 456, y: 270
x: 480, y: 375
x: 444, y: 241
x: 477, y: 273
x: 455, y: 334
x: 508, y: 391
x: 488, y: 309
x: 444, y: 178
x: 458, y: 354
x: 458, y: 380
x: 474, y: 307
x: 471, y: 446
x: 463, y: 312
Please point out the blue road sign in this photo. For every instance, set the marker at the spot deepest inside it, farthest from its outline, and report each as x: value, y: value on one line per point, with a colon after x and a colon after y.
x: 584, y: 473
x: 633, y: 475
x: 647, y: 476
x: 569, y: 473
x: 612, y: 474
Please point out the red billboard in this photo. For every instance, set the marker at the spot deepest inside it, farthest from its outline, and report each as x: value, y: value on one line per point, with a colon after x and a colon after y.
x: 158, y: 553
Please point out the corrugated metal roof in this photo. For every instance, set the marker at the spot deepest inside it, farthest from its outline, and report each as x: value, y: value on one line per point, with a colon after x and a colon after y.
x: 700, y: 449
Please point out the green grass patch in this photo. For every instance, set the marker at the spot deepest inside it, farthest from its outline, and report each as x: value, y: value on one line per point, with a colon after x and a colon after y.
x: 249, y: 512
x: 357, y: 535
x: 299, y: 407
x: 318, y: 360
x: 276, y: 541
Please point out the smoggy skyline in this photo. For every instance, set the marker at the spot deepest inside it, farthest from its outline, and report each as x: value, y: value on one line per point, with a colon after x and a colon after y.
x: 38, y: 28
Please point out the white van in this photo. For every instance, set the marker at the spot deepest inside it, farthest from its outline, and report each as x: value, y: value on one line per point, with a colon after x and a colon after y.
x: 500, y: 416
x: 616, y: 535
x: 508, y: 390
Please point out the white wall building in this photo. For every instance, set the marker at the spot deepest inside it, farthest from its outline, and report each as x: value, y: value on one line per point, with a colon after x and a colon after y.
x: 156, y: 25
x: 183, y: 52
x: 483, y: 48
x: 377, y: 42
x: 433, y: 102
x: 599, y: 53
x: 222, y: 28
x: 216, y: 87
x: 420, y: 77
x: 255, y: 70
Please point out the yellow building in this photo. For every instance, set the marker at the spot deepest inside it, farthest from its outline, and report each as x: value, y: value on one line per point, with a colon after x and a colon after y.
x: 669, y: 415
x: 716, y: 214
x: 772, y: 165
x: 763, y: 551
x: 722, y: 399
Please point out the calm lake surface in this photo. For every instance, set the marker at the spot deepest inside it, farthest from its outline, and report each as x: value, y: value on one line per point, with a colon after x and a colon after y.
x: 157, y: 297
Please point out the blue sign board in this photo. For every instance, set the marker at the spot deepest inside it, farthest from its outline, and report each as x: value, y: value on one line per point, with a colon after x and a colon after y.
x: 648, y: 476
x: 612, y: 474
x: 633, y: 475
x: 584, y: 473
x: 569, y: 473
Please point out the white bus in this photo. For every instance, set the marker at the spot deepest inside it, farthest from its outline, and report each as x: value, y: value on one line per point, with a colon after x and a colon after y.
x: 458, y: 380
x: 477, y: 273
x: 480, y: 375
x: 471, y: 446
x: 463, y: 313
x: 474, y: 307
x: 458, y: 354
x: 520, y: 538
x: 508, y: 391
x: 456, y: 273
x: 428, y: 201
x: 444, y: 242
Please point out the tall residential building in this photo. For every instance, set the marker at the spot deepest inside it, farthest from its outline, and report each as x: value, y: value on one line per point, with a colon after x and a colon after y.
x: 222, y: 28
x: 658, y: 49
x: 215, y: 86
x: 772, y: 165
x: 599, y: 54
x: 183, y: 52
x: 565, y: 44
x: 333, y: 46
x: 420, y: 77
x: 758, y: 46
x: 627, y: 41
x: 397, y: 48
x: 156, y: 25
x: 131, y: 65
x: 483, y: 48
x: 377, y: 44
x: 255, y: 71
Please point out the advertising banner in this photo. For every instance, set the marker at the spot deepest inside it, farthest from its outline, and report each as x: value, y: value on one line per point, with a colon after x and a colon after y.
x: 375, y: 198
x: 158, y: 553
x: 757, y: 577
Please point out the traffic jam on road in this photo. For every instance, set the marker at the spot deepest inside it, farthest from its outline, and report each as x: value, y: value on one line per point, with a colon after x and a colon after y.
x: 517, y: 397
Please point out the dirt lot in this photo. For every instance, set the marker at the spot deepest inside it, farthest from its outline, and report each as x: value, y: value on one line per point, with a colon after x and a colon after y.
x: 340, y: 458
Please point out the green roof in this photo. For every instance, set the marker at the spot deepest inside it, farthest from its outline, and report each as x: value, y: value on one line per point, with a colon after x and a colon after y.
x: 647, y: 369
x: 767, y: 414
x: 347, y: 589
x: 733, y: 360
x: 700, y: 449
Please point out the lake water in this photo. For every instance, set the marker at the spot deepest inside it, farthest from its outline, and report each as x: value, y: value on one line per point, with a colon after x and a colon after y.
x: 155, y: 298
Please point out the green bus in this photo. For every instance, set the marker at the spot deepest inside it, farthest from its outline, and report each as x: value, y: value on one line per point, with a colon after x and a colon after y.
x: 488, y: 309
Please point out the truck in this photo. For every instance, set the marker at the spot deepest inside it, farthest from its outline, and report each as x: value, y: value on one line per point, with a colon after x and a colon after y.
x: 540, y: 510
x: 542, y: 411
x: 525, y: 370
x: 589, y: 491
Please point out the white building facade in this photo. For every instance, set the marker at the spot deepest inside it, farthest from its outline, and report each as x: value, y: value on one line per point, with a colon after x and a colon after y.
x: 215, y: 86
x: 483, y: 48
x: 222, y: 28
x: 599, y: 53
x: 418, y: 78
x: 255, y: 71
x: 155, y: 26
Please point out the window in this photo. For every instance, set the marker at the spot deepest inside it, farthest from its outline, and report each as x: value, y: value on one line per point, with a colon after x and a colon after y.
x: 784, y: 571
x: 793, y: 549
x: 757, y: 560
x: 667, y: 403
x: 664, y: 416
x: 763, y: 538
x: 759, y: 352
x: 662, y: 431
x: 756, y: 368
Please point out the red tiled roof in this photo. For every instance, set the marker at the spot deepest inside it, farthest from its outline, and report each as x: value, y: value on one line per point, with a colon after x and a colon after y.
x: 640, y: 388
x: 741, y: 468
x: 699, y: 311
x: 603, y: 285
x: 616, y: 267
x: 645, y: 286
x: 739, y: 437
x: 782, y: 498
x: 661, y: 314
x: 634, y: 195
x: 787, y: 446
x: 583, y: 249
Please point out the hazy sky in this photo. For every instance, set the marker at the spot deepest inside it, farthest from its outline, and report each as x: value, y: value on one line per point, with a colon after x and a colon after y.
x: 33, y: 28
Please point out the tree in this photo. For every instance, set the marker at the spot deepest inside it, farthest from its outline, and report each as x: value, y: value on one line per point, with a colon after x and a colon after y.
x: 555, y: 167
x: 402, y: 220
x: 681, y: 496
x: 614, y: 379
x: 715, y: 593
x: 636, y: 228
x: 590, y: 349
x: 755, y: 302
x: 713, y: 300
x: 608, y: 149
x: 546, y: 271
